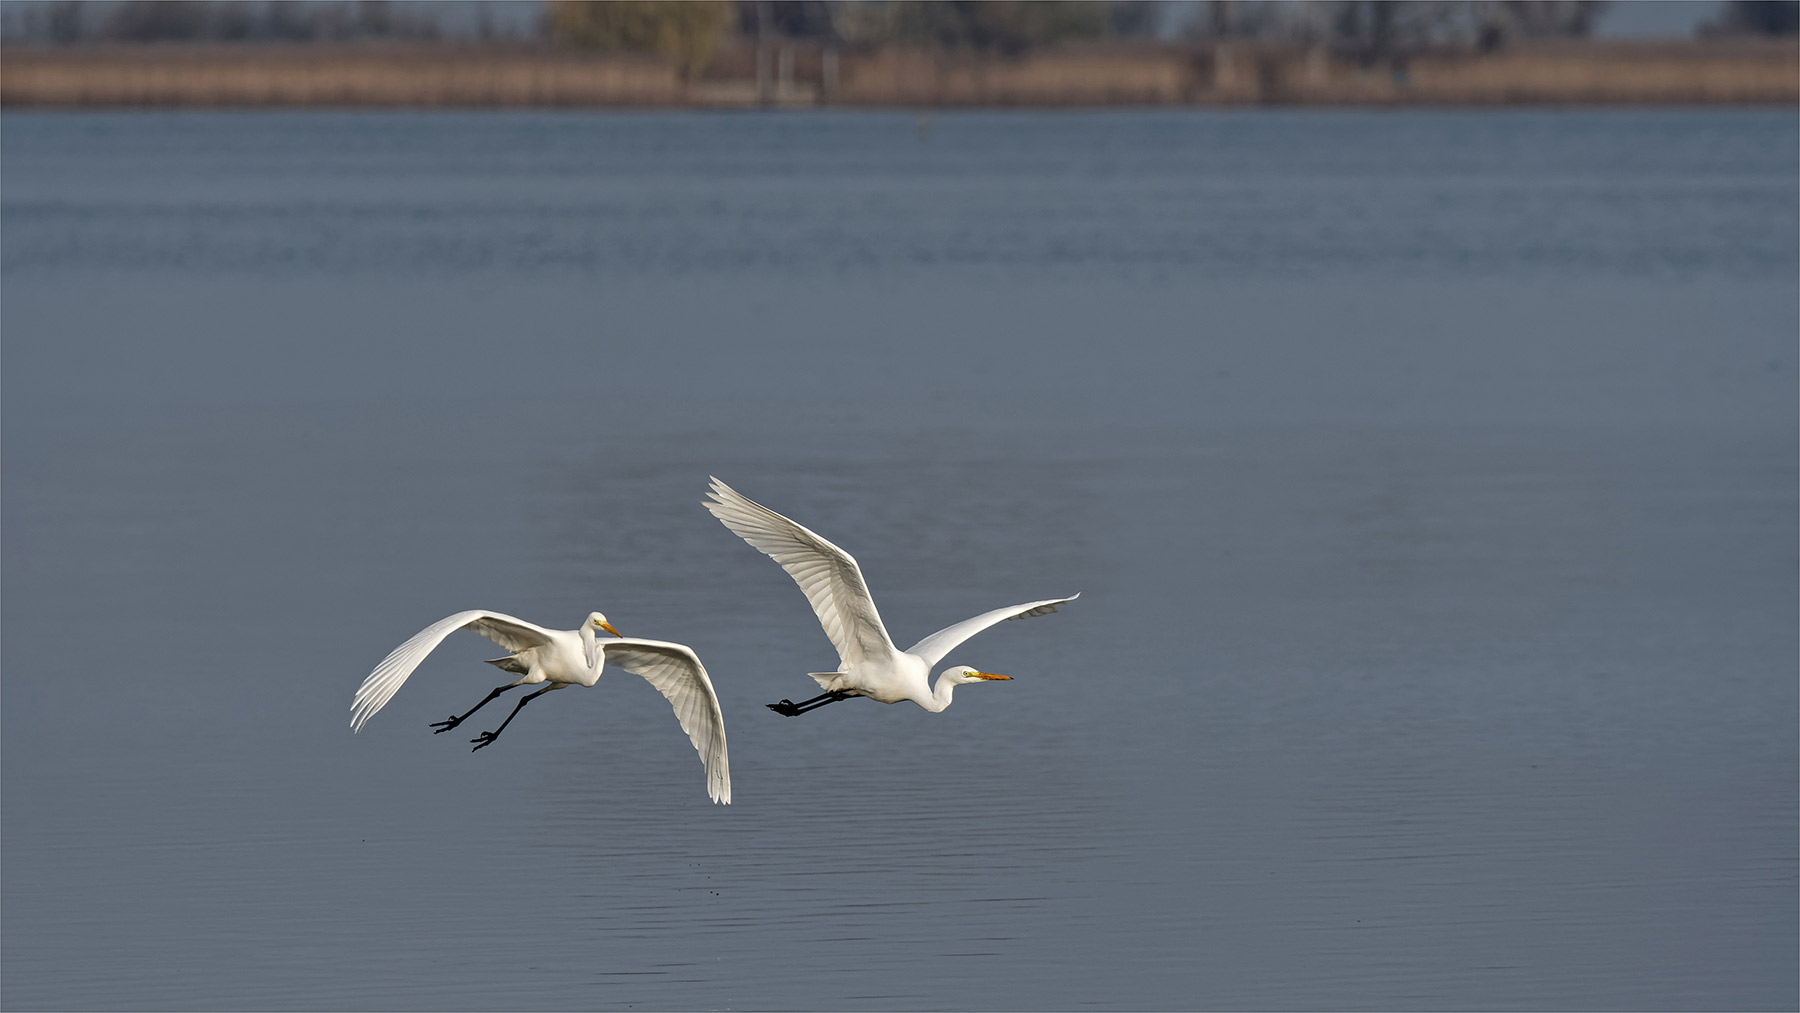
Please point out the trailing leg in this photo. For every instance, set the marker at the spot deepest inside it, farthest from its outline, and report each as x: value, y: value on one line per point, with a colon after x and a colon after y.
x: 444, y: 726
x: 792, y: 709
x: 486, y: 738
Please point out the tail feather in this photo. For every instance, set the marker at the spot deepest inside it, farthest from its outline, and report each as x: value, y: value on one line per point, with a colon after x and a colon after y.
x: 509, y: 664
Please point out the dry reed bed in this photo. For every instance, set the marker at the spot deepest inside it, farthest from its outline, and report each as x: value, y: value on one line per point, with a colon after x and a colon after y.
x: 1749, y: 71
x: 320, y: 76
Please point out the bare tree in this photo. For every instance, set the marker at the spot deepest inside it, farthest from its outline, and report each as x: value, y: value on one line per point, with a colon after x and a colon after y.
x: 1128, y: 19
x: 792, y: 19
x: 1373, y: 31
x: 686, y: 32
x: 1753, y: 17
x: 65, y: 21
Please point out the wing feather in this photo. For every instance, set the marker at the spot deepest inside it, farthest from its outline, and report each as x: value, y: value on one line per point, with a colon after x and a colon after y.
x: 513, y: 634
x: 830, y: 578
x: 934, y: 647
x: 677, y: 674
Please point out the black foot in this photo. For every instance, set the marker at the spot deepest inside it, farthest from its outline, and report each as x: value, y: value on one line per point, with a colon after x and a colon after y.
x: 787, y: 707
x: 444, y: 726
x: 486, y: 738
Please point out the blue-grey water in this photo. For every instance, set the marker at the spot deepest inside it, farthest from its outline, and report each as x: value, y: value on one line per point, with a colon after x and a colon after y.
x: 1429, y: 479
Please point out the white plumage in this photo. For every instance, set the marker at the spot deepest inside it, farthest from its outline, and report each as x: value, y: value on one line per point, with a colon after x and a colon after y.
x: 868, y: 663
x: 564, y: 658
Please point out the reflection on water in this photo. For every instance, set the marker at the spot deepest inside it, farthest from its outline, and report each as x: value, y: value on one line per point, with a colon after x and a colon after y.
x: 1429, y: 480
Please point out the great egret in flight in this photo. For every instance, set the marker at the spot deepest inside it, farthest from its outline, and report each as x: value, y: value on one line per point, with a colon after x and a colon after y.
x: 565, y: 658
x: 868, y: 663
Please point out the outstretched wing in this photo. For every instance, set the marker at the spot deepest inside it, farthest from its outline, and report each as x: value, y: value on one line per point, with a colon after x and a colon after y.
x: 513, y: 634
x: 934, y: 647
x: 830, y: 578
x: 677, y: 674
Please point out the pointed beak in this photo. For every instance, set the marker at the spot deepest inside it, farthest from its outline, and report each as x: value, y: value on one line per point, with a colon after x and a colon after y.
x: 991, y: 675
x: 608, y: 627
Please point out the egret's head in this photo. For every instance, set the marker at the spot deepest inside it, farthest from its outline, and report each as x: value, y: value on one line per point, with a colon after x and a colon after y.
x: 962, y: 674
x: 596, y: 621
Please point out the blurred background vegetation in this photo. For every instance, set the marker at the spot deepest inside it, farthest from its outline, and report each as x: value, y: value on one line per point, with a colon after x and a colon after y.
x: 687, y: 31
x: 896, y: 52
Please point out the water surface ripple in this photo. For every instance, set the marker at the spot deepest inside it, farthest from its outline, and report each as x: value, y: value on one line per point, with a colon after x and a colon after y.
x: 1429, y: 478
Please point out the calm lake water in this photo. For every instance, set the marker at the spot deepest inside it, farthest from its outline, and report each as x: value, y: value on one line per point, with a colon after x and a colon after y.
x: 1429, y: 479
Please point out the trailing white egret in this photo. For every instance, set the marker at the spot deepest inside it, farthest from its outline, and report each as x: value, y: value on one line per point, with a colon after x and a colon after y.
x: 566, y: 658
x: 868, y: 663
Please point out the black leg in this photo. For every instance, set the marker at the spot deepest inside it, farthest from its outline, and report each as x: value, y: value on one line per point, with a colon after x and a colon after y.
x: 444, y: 726
x: 485, y: 738
x: 792, y: 709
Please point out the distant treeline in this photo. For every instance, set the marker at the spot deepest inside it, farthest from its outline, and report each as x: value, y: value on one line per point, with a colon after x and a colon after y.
x: 686, y: 30
x: 946, y: 53
x: 745, y: 74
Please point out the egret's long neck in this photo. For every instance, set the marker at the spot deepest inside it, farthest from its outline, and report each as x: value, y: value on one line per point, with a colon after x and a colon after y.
x: 590, y: 650
x: 940, y: 694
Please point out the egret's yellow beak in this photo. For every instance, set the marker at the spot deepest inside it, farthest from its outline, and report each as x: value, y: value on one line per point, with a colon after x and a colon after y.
x: 608, y: 627
x: 989, y: 675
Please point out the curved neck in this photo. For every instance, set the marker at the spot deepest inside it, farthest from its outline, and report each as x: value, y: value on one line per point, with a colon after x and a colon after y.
x: 940, y: 694
x: 592, y: 654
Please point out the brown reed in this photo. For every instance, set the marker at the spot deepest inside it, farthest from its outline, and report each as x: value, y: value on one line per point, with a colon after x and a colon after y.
x: 1703, y: 72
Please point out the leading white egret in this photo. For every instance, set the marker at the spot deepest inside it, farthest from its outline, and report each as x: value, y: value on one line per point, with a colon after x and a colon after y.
x: 566, y: 658
x: 868, y: 663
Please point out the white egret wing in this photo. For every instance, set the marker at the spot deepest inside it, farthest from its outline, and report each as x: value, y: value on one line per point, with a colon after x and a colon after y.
x: 832, y: 581
x: 934, y: 647
x: 513, y: 634
x: 676, y: 672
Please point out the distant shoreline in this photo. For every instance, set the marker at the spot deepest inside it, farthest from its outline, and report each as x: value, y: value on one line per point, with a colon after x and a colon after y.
x: 1713, y: 72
